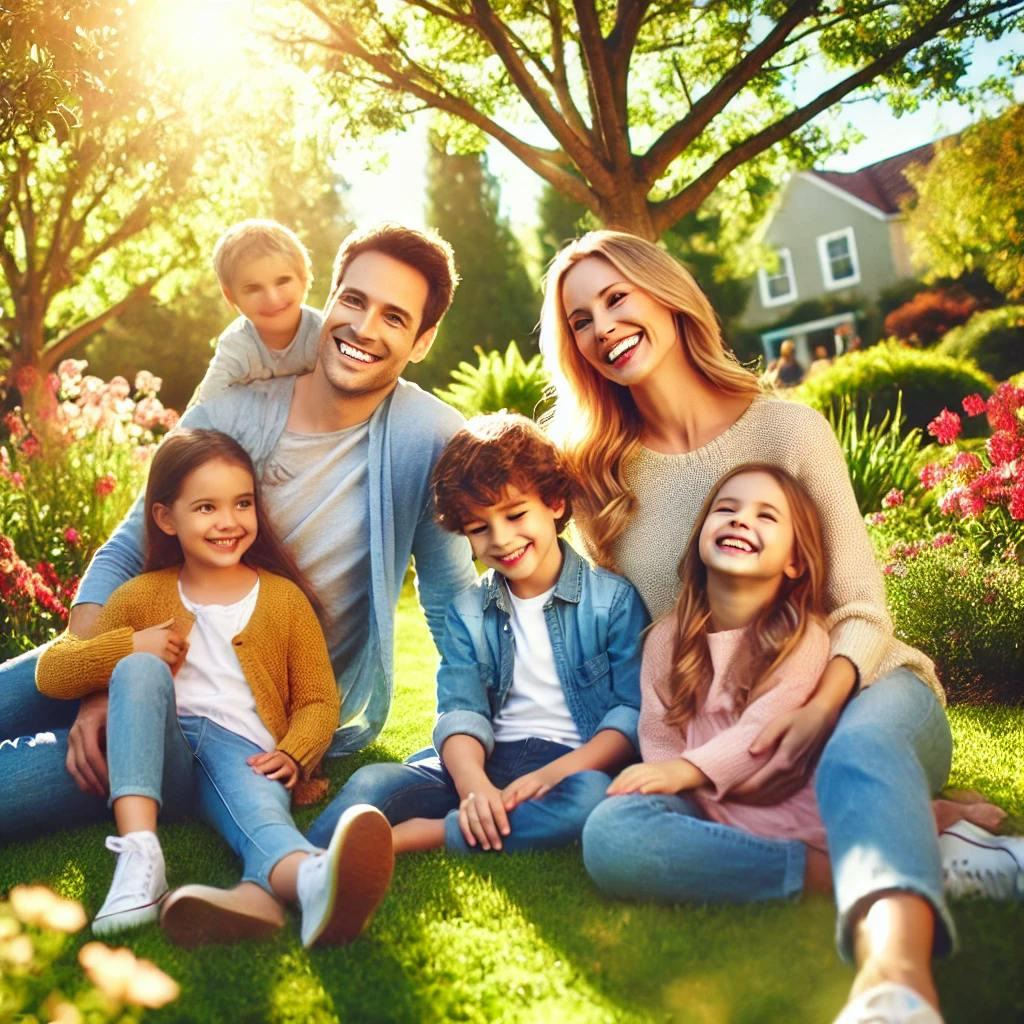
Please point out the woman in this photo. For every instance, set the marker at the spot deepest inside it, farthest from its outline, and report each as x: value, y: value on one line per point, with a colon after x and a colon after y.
x: 653, y: 411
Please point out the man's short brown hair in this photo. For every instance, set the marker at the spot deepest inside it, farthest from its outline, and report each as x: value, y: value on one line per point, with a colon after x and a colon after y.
x: 491, y: 453
x: 426, y: 252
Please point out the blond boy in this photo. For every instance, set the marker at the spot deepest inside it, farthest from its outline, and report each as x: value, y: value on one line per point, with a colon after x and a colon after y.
x: 265, y: 274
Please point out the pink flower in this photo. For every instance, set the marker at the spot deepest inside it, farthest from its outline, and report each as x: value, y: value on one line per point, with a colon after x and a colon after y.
x: 931, y: 475
x: 1003, y: 447
x: 146, y: 383
x: 169, y: 420
x: 72, y: 536
x: 30, y: 447
x: 893, y: 499
x: 941, y: 540
x: 1017, y: 501
x: 105, y: 485
x: 1003, y: 406
x: 974, y: 404
x: 119, y: 388
x: 876, y: 518
x: 894, y: 569
x: 70, y: 370
x: 17, y: 481
x: 967, y: 462
x: 945, y: 428
x: 15, y: 425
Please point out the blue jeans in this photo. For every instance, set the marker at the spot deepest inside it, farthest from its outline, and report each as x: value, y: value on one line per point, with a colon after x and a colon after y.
x: 37, y: 794
x: 192, y: 762
x: 422, y: 788
x: 889, y: 752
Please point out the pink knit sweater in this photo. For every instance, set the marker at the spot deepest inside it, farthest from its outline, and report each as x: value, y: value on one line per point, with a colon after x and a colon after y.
x: 718, y: 737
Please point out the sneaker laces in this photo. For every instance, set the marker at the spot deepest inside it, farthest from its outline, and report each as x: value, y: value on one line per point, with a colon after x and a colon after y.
x: 133, y: 873
x: 963, y: 879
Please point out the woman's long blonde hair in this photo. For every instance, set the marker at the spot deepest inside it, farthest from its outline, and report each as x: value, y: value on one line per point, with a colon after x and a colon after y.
x: 596, y: 421
x: 774, y: 633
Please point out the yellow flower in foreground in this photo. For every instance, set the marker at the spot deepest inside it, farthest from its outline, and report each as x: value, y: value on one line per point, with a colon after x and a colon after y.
x: 39, y: 906
x: 120, y: 975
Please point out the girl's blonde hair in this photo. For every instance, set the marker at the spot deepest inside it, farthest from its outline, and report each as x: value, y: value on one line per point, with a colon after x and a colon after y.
x: 775, y: 632
x: 597, y: 421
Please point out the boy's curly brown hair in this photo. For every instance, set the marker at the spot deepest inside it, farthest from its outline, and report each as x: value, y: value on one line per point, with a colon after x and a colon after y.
x: 491, y: 453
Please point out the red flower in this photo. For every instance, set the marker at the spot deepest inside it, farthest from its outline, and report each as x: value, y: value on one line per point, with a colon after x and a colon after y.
x: 1003, y: 447
x: 1017, y: 501
x: 15, y: 425
x: 945, y: 428
x: 967, y: 462
x: 105, y: 485
x: 893, y: 499
x: 974, y: 405
x: 876, y: 518
x: 31, y: 447
x: 941, y: 540
x: 931, y: 475
x: 72, y: 536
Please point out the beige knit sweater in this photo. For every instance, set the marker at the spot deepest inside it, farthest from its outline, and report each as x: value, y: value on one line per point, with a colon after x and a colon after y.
x: 671, y: 489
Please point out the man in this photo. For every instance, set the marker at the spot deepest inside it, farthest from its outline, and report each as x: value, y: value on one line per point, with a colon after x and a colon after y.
x: 344, y: 456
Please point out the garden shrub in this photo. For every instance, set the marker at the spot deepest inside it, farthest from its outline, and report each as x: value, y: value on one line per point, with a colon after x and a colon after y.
x: 880, y: 374
x: 965, y: 613
x: 929, y: 315
x: 497, y: 382
x: 993, y: 338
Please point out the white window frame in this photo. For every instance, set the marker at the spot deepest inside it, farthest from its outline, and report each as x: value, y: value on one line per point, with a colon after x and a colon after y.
x: 826, y: 264
x: 767, y: 299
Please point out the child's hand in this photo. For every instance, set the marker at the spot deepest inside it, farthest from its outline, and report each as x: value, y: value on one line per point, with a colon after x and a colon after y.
x: 276, y: 765
x: 656, y: 777
x: 530, y: 786
x: 482, y: 817
x: 163, y: 641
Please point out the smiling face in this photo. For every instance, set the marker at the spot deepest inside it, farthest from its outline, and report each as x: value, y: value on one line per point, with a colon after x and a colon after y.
x: 748, y: 531
x: 518, y: 537
x: 371, y: 329
x: 269, y: 291
x: 213, y: 516
x: 619, y: 329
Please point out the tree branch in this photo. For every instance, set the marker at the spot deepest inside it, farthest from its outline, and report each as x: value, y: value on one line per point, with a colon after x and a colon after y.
x: 559, y: 75
x: 673, y: 141
x: 607, y: 109
x: 667, y: 212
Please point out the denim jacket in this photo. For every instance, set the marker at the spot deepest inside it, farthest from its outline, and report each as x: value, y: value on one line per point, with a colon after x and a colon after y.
x: 407, y: 432
x: 594, y: 619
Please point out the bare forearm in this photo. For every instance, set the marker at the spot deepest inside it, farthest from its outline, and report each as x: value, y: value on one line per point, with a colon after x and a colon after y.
x: 606, y: 751
x: 834, y: 687
x: 464, y: 757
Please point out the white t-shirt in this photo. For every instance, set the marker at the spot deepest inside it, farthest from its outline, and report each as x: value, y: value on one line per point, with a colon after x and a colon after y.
x: 535, y: 706
x: 210, y: 684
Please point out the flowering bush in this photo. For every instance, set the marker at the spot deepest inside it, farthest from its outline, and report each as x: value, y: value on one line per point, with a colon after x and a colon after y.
x: 35, y: 925
x: 69, y: 468
x: 929, y: 315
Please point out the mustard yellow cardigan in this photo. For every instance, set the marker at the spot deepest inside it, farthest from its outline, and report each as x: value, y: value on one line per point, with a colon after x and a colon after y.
x: 282, y: 652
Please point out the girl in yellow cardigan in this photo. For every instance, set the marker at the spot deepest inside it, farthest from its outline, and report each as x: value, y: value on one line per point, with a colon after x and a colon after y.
x: 222, y: 698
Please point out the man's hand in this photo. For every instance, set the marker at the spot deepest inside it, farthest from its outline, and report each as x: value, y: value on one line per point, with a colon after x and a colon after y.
x: 657, y: 777
x: 276, y: 765
x: 163, y: 641
x: 86, y: 761
x: 530, y: 786
x: 482, y: 817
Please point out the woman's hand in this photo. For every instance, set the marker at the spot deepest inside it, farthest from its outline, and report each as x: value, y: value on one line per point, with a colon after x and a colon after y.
x: 276, y: 765
x: 657, y: 777
x: 482, y: 817
x: 530, y: 786
x: 86, y: 761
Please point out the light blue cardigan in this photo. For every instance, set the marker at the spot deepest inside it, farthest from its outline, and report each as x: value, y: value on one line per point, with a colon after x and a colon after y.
x: 407, y: 432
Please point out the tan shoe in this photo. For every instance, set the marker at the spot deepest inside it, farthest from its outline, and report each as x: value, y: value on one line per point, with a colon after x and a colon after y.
x: 196, y: 914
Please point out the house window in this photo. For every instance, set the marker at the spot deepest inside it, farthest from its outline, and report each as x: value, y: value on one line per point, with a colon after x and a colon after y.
x: 838, y: 254
x: 778, y: 285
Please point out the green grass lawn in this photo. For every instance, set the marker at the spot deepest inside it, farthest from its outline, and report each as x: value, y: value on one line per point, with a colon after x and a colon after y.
x: 527, y: 938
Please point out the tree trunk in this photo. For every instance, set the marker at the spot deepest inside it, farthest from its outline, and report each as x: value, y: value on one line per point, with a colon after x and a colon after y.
x: 628, y: 210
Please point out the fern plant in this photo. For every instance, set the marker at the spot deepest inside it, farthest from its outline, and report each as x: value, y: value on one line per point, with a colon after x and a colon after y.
x: 498, y: 381
x: 879, y: 456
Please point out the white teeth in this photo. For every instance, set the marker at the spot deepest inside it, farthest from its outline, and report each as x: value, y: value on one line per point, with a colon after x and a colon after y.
x: 512, y: 555
x: 355, y: 353
x: 735, y: 542
x: 623, y: 346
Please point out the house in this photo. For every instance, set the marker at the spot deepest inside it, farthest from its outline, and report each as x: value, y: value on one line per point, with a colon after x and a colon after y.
x: 837, y: 236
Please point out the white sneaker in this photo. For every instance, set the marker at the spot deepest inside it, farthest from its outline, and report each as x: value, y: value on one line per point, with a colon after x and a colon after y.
x: 977, y: 863
x: 340, y: 887
x: 889, y: 1003
x: 139, y: 884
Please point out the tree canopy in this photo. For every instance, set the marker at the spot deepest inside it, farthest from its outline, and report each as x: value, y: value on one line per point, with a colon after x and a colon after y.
x: 967, y: 214
x: 644, y: 107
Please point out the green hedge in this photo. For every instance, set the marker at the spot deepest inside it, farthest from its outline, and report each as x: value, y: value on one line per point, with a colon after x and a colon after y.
x: 876, y: 377
x: 993, y: 338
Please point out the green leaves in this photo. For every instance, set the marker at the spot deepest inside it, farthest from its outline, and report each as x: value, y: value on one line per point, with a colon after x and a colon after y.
x: 497, y: 382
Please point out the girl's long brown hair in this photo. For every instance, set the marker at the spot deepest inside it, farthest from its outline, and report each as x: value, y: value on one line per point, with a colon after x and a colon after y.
x: 596, y: 421
x: 774, y: 634
x: 180, y: 454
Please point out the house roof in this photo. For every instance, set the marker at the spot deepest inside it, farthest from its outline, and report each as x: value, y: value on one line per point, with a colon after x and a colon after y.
x: 881, y: 185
